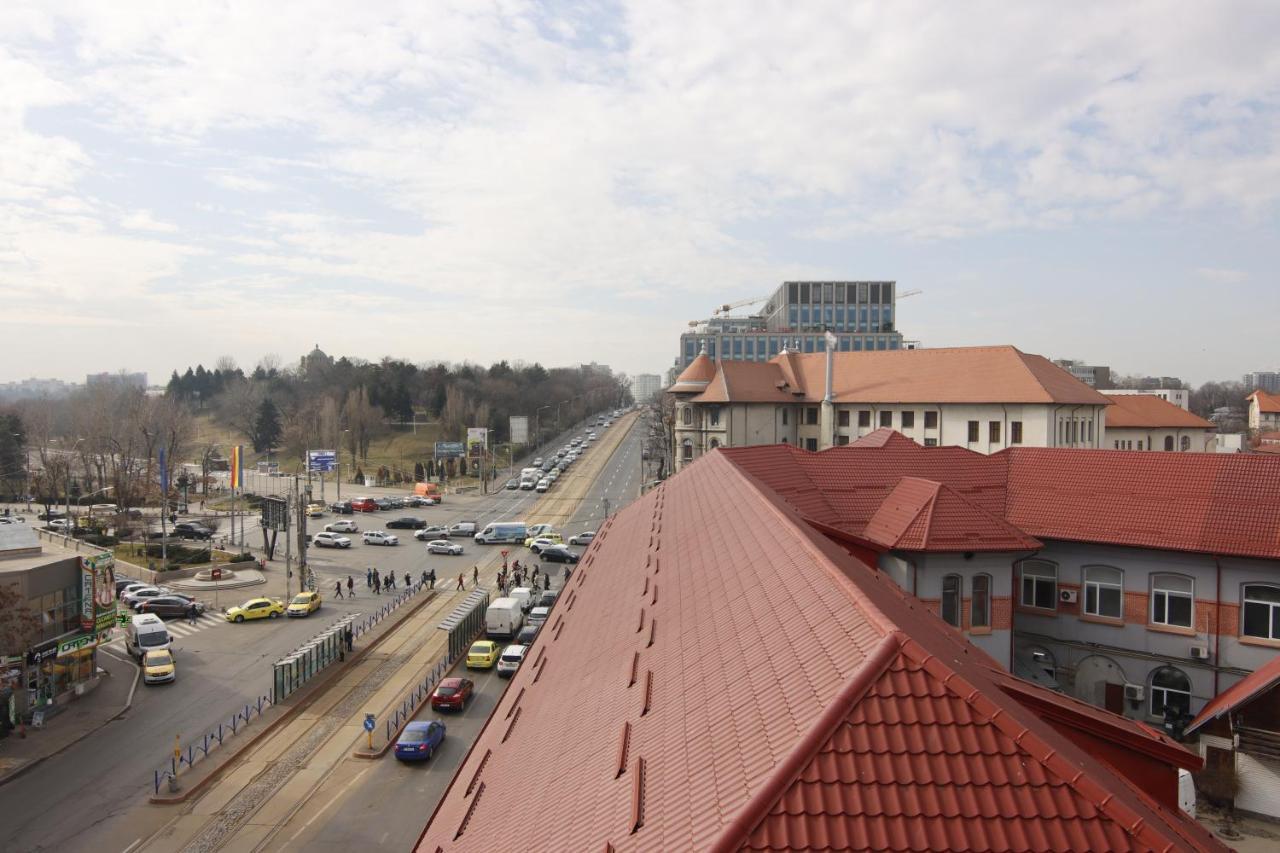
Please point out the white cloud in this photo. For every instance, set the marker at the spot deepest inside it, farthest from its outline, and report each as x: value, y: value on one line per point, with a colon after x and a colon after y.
x: 243, y: 183
x: 143, y: 220
x: 1222, y: 276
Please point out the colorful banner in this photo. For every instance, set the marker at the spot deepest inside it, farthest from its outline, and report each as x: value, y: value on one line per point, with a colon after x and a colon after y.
x: 98, y: 592
x: 237, y: 466
x: 477, y: 441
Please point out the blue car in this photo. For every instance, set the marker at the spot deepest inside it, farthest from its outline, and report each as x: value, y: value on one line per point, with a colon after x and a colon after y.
x: 419, y: 740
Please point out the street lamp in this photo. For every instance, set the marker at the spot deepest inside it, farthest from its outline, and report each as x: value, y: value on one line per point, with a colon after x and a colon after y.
x: 338, y: 454
x: 537, y: 431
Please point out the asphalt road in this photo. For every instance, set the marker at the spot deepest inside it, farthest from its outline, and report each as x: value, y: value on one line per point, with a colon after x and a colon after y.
x: 86, y: 798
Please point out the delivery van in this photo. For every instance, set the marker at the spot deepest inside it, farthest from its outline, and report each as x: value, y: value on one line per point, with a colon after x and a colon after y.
x: 144, y: 634
x: 429, y: 490
x: 503, y: 619
x: 502, y: 532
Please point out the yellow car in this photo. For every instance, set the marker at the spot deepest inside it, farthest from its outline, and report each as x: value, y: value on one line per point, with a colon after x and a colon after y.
x: 304, y: 604
x: 315, y: 510
x: 553, y: 538
x: 256, y: 608
x: 158, y: 667
x: 482, y: 655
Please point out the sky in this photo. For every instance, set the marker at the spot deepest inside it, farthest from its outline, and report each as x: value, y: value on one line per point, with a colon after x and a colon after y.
x: 574, y: 182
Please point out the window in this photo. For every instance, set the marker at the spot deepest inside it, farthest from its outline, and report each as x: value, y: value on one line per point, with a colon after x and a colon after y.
x: 811, y: 415
x: 930, y: 420
x: 864, y: 417
x: 842, y: 440
x: 687, y: 450
x: 1262, y: 612
x: 1139, y: 444
x: 811, y: 444
x: 844, y: 417
x: 804, y: 292
x: 931, y: 442
x: 1168, y: 442
x: 715, y: 442
x: 951, y: 586
x: 686, y: 416
x: 1186, y: 443
x: 1172, y: 600
x: 713, y: 415
x: 908, y: 420
x: 1039, y: 584
x: 973, y: 430
x: 1170, y: 688
x: 886, y: 419
x: 980, y: 602
x: 1043, y: 660
x: 1015, y: 432
x: 993, y: 430
x: 784, y: 417
x: 1103, y: 592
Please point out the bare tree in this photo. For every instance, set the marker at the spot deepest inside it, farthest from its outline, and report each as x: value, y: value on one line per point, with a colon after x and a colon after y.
x: 362, y: 419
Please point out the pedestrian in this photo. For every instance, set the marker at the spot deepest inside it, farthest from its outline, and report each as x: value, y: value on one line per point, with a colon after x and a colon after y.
x: 424, y: 578
x: 408, y: 581
x: 432, y: 578
x: 566, y: 573
x: 192, y: 614
x: 475, y: 577
x: 368, y: 577
x: 546, y: 581
x: 349, y: 637
x: 504, y: 562
x: 461, y: 585
x: 377, y: 585
x: 351, y: 592
x: 377, y: 579
x: 337, y: 589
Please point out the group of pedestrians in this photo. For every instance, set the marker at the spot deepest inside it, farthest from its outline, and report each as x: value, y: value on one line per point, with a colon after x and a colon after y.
x: 517, y: 576
x: 351, y: 588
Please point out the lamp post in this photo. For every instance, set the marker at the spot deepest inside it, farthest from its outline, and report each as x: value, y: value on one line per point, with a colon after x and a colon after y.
x: 338, y: 457
x: 66, y: 520
x: 537, y: 430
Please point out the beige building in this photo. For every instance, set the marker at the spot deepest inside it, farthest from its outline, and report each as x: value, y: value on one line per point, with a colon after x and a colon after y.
x: 1148, y: 422
x: 1264, y: 411
x: 981, y: 398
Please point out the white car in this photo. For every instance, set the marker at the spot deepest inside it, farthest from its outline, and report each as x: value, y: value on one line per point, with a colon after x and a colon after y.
x: 330, y: 540
x: 444, y: 546
x: 542, y: 542
x: 510, y: 660
x: 543, y: 485
x: 378, y: 537
x: 583, y: 538
x: 346, y: 525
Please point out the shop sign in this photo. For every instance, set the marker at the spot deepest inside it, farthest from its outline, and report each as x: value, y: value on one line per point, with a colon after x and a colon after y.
x: 75, y: 644
x: 86, y: 596
x: 98, y: 587
x: 42, y: 653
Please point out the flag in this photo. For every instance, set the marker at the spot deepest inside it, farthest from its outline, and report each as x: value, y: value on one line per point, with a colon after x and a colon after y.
x: 237, y: 466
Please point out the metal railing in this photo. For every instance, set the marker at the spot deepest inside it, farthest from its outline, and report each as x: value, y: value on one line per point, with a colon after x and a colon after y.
x: 198, y: 751
x: 409, y: 705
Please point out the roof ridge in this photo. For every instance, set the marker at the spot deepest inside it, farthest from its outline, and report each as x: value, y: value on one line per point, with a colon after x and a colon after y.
x: 929, y: 506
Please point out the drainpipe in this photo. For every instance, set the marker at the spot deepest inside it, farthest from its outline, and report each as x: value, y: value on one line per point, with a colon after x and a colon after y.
x: 1217, y: 622
x: 1004, y: 434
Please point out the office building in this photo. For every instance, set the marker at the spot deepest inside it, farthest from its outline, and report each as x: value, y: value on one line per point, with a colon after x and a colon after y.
x: 1094, y: 375
x: 645, y: 386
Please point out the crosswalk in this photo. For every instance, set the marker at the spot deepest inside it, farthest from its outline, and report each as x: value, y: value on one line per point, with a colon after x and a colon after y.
x: 178, y: 629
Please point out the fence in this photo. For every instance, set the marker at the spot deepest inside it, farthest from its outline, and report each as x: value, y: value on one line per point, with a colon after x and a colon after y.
x: 409, y: 706
x: 186, y: 759
x: 382, y: 612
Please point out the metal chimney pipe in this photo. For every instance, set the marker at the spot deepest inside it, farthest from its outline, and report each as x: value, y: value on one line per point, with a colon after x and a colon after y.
x: 831, y: 347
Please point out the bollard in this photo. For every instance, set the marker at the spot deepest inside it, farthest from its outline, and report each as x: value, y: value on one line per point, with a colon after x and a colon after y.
x: 157, y: 774
x: 173, y: 783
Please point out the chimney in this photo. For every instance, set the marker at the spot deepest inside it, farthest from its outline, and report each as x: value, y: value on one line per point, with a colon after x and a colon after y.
x: 831, y: 348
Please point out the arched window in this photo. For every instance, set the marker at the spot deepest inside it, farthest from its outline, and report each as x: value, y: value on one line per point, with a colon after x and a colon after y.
x: 1043, y: 660
x: 1186, y: 443
x: 715, y: 442
x: 1039, y: 584
x: 1170, y: 688
x: 1261, y: 612
x: 686, y: 415
x: 1172, y: 600
x: 1103, y: 592
x: 980, y: 602
x: 952, y: 585
x: 1168, y: 442
x: 686, y: 449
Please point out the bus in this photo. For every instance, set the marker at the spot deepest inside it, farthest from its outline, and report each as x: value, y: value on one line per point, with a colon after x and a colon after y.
x: 503, y: 531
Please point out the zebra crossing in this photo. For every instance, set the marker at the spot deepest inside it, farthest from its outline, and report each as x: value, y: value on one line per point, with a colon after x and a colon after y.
x: 177, y: 628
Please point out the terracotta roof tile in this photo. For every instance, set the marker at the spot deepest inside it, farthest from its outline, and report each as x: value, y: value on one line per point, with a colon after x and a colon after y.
x: 1147, y: 411
x: 1262, y: 678
x: 924, y: 515
x: 696, y: 376
x: 1266, y: 402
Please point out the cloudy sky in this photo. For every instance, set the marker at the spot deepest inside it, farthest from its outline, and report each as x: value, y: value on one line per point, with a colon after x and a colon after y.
x: 568, y: 182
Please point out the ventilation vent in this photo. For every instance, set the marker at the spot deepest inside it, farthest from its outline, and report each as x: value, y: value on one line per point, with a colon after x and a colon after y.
x: 515, y: 704
x: 648, y: 692
x: 512, y: 725
x: 640, y: 627
x: 559, y: 628
x: 476, y: 776
x: 471, y: 809
x: 624, y: 748
x: 637, y: 796
x: 538, y: 674
x: 646, y: 585
x: 653, y: 631
x: 654, y: 600
x: 635, y: 668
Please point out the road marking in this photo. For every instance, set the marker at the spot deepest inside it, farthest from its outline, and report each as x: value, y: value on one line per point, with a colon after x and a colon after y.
x: 322, y: 809
x: 131, y: 846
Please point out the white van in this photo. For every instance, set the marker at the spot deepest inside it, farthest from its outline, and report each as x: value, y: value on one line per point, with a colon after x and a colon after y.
x: 536, y: 530
x: 462, y: 528
x: 146, y: 633
x: 524, y: 595
x: 503, y: 619
x: 503, y: 531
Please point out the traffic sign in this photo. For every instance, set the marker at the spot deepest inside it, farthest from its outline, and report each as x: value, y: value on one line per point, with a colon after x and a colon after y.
x: 369, y: 722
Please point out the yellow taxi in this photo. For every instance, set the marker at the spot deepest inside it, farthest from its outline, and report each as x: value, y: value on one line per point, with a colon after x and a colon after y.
x: 256, y: 608
x: 482, y: 655
x: 304, y: 604
x: 549, y: 537
x: 158, y: 667
x: 315, y: 510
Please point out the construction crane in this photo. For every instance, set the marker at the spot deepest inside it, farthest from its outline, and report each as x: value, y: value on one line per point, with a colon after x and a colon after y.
x: 741, y: 303
x: 910, y: 293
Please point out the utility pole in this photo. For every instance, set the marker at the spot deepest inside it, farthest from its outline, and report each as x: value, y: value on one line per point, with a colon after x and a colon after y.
x: 288, y: 547
x: 302, y: 538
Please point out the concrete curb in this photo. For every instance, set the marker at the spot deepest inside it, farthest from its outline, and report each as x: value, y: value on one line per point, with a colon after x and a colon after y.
x: 288, y: 712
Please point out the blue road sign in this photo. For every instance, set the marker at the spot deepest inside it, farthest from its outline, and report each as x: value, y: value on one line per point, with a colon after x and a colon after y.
x: 369, y: 722
x: 447, y: 449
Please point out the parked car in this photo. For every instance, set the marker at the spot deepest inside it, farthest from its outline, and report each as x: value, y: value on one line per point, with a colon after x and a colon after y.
x: 385, y: 504
x: 398, y: 503
x: 543, y: 542
x: 58, y: 524
x: 510, y: 660
x: 452, y: 694
x: 158, y: 667
x: 364, y: 505
x: 431, y: 531
x: 133, y: 598
x: 129, y: 586
x: 483, y: 654
x: 304, y: 604
x: 343, y: 508
x: 539, y: 615
x: 256, y: 608
x: 315, y: 510
x: 444, y: 546
x: 124, y: 583
x: 51, y: 515
x: 420, y: 500
x: 548, y: 598
x: 558, y: 554
x: 169, y: 606
x: 192, y: 530
x: 419, y: 740
x: 586, y: 537
x: 406, y: 523
x: 378, y: 537
x: 330, y: 540
x: 542, y: 485
x: 345, y: 525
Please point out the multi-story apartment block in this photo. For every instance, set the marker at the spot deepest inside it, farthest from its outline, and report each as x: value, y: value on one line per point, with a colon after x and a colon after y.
x: 1148, y: 422
x: 1093, y: 375
x: 1263, y: 380
x: 645, y: 386
x: 130, y: 380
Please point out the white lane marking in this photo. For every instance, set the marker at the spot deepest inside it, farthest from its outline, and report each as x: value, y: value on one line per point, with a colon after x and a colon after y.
x: 131, y: 846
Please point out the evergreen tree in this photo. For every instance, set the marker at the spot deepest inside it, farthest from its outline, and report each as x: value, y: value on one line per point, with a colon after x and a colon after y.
x: 266, y: 427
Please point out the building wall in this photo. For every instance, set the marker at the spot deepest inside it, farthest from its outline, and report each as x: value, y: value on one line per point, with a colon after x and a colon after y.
x: 927, y: 572
x: 1180, y: 397
x: 1132, y: 438
x: 1260, y: 420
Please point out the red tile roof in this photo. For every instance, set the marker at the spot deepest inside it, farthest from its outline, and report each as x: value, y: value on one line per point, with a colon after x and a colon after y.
x: 923, y: 515
x: 883, y: 437
x: 1266, y: 402
x: 1262, y: 678
x: 718, y: 675
x: 696, y: 376
x: 1146, y: 411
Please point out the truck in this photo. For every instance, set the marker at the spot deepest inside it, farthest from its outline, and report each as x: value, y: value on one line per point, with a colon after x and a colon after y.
x: 502, y: 532
x: 503, y: 619
x: 429, y: 490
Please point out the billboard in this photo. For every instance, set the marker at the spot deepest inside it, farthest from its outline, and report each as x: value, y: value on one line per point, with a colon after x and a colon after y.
x: 322, y: 461
x: 98, y: 591
x: 519, y: 429
x: 477, y: 441
x: 275, y: 513
x: 448, y: 449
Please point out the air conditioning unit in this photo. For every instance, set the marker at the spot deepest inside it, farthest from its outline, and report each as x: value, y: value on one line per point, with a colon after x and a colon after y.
x: 1200, y: 652
x: 1134, y: 692
x: 1067, y: 596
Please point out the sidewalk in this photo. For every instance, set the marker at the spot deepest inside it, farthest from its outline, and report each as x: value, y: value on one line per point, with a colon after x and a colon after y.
x: 82, y: 717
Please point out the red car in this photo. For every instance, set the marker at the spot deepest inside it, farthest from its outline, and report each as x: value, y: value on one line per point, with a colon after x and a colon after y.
x: 364, y: 505
x: 452, y: 694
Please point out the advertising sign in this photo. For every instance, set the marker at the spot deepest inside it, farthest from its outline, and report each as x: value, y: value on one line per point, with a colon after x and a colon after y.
x: 322, y: 460
x: 75, y: 644
x: 477, y: 441
x: 448, y: 449
x: 519, y: 429
x: 275, y: 513
x: 98, y: 585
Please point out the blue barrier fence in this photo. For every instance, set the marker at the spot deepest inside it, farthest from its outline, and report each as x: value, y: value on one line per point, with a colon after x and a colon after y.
x: 409, y: 705
x: 197, y: 751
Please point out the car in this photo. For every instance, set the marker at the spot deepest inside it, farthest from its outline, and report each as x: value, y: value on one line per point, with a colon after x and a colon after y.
x: 548, y: 598
x: 431, y: 531
x: 419, y: 740
x: 420, y: 500
x: 543, y: 485
x: 169, y: 606
x: 304, y: 604
x: 51, y: 515
x: 537, y: 461
x: 133, y: 597
x: 59, y: 524
x: 364, y: 505
x: 344, y: 525
x: 444, y: 546
x: 553, y: 475
x: 463, y: 528
x: 586, y: 537
x: 542, y: 540
x: 509, y: 662
x: 398, y: 503
x: 342, y: 508
x: 385, y: 504
x: 527, y: 635
x: 527, y: 485
x: 512, y: 484
x: 483, y: 654
x: 123, y: 583
x: 378, y: 537
x: 256, y: 608
x: 158, y: 667
x: 129, y: 586
x: 539, y: 615
x: 591, y: 437
x: 330, y: 540
x: 406, y: 523
x: 558, y: 554
x: 452, y: 694
x: 315, y: 510
x: 192, y: 530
